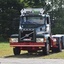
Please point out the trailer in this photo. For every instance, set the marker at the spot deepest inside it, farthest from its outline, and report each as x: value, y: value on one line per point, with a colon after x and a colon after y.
x: 34, y: 32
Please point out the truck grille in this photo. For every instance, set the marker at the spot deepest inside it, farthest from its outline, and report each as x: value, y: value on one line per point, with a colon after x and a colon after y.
x: 27, y: 36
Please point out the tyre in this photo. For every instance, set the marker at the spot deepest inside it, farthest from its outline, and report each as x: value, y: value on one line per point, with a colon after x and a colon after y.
x: 54, y: 50
x: 16, y: 51
x: 59, y: 49
x: 62, y: 40
x: 46, y: 49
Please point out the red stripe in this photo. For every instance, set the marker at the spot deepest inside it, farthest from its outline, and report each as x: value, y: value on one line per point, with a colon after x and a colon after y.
x: 27, y: 44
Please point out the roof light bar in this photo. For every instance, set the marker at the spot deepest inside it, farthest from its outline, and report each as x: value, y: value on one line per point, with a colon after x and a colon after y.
x: 38, y: 11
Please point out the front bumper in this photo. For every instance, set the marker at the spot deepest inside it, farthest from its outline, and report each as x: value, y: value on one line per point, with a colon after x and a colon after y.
x: 25, y: 44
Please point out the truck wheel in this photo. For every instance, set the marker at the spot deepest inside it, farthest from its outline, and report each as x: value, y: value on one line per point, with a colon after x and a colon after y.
x: 62, y: 42
x: 46, y: 49
x: 16, y: 51
x: 59, y: 47
x: 63, y: 45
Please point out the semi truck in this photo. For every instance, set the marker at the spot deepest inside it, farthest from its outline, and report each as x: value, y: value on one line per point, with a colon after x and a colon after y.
x: 34, y: 33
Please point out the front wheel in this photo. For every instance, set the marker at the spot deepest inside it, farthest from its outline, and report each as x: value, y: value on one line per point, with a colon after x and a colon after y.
x: 16, y: 51
x: 46, y: 49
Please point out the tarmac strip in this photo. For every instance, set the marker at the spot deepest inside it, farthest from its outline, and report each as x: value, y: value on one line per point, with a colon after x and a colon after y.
x: 30, y: 61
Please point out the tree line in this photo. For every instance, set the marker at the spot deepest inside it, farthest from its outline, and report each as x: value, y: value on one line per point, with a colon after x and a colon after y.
x: 10, y: 14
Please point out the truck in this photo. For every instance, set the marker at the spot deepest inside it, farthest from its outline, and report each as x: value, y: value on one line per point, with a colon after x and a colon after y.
x: 34, y: 32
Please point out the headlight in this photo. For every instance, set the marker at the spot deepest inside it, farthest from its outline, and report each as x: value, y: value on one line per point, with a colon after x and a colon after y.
x: 13, y: 40
x: 40, y: 40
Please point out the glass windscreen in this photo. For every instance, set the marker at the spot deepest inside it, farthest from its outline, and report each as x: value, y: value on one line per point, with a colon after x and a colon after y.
x: 33, y: 20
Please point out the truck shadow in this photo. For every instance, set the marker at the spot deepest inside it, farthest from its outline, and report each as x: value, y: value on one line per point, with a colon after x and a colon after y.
x: 34, y: 55
x: 26, y: 55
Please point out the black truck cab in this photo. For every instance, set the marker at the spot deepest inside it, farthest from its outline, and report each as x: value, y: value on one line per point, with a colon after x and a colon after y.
x: 34, y: 25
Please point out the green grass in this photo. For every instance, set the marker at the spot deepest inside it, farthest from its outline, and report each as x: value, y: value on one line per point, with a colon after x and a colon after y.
x: 7, y: 51
x: 59, y: 55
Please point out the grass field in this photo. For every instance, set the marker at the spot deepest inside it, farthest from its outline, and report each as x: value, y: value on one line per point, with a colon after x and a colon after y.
x: 6, y: 51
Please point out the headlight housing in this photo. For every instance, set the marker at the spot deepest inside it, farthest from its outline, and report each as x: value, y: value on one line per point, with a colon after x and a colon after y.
x: 13, y: 40
x: 40, y: 39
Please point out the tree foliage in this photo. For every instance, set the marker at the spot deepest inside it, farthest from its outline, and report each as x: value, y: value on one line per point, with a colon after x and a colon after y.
x: 58, y: 16
x: 10, y: 13
x: 34, y: 3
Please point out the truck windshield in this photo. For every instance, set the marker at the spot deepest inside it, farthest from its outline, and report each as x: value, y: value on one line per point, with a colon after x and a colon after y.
x: 32, y: 20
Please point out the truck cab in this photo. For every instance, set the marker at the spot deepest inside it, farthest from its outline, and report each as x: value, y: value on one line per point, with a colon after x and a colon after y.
x: 34, y: 25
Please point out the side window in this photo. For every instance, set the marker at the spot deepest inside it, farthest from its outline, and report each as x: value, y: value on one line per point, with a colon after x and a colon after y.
x: 47, y: 20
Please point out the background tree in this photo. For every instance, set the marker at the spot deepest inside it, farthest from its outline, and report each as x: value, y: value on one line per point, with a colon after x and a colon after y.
x: 34, y: 3
x: 10, y: 12
x: 58, y: 16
